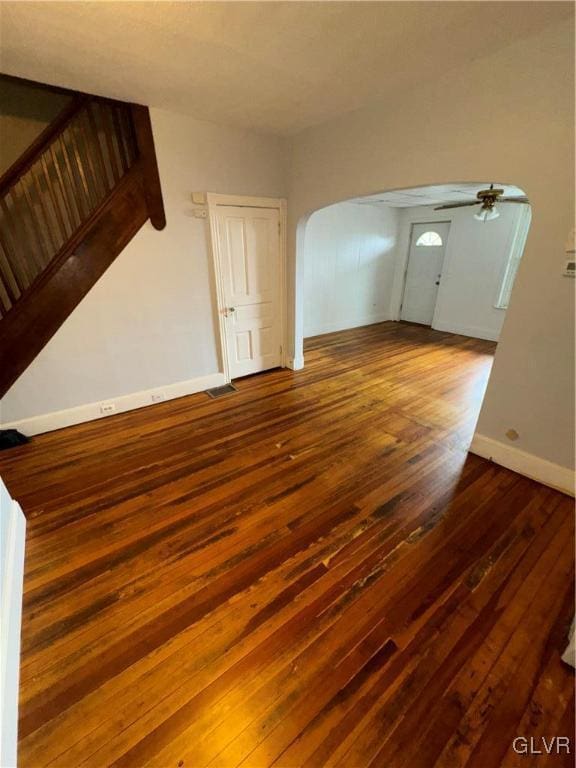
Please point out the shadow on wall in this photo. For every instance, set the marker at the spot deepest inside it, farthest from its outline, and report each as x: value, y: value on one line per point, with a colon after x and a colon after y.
x: 353, y: 259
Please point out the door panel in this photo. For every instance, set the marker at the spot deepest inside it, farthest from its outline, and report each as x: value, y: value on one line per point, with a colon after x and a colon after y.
x: 250, y: 260
x: 236, y: 242
x: 424, y: 272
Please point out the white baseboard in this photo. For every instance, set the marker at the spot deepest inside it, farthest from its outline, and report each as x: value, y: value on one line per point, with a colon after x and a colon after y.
x: 47, y: 422
x: 345, y: 324
x: 467, y: 330
x: 546, y: 472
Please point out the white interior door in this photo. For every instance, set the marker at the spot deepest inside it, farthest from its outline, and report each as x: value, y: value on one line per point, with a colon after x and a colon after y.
x: 424, y: 271
x: 249, y: 247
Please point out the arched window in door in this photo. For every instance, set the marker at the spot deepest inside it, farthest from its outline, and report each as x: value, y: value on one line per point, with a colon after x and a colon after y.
x: 429, y: 238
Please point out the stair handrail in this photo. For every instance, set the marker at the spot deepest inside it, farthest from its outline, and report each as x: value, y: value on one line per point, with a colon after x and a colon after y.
x: 27, y: 159
x: 68, y: 207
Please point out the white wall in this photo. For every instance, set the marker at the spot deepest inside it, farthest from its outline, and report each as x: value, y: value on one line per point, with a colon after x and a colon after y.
x: 475, y: 260
x: 149, y: 322
x: 438, y: 134
x: 349, y: 267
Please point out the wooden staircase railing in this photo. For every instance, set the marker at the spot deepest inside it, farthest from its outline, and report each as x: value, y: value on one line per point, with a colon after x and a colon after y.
x: 68, y: 206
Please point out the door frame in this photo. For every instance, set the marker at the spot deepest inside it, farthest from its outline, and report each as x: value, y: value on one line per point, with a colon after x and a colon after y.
x: 407, y: 263
x: 405, y: 242
x: 214, y: 200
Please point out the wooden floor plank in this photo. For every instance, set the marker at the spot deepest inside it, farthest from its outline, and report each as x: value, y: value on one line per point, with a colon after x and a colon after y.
x: 309, y: 572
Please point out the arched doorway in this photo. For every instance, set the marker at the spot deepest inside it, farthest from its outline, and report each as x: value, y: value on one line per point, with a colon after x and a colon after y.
x: 474, y: 274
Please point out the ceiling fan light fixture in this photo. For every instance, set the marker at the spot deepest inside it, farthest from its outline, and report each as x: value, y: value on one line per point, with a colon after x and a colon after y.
x: 487, y: 214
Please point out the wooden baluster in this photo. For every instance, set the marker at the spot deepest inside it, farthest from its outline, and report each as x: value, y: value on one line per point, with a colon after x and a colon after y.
x: 129, y: 135
x: 39, y: 255
x: 115, y: 134
x: 51, y: 185
x: 33, y: 217
x: 74, y: 178
x: 64, y: 190
x: 80, y: 165
x: 17, y: 262
x: 6, y: 296
x: 89, y: 154
x: 5, y: 303
x: 112, y: 124
x: 97, y: 128
x: 12, y: 288
x: 119, y: 138
x: 132, y: 134
x: 104, y: 113
x: 97, y: 149
x: 49, y: 230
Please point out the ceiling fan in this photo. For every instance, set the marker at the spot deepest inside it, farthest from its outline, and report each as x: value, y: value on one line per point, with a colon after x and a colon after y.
x: 487, y: 199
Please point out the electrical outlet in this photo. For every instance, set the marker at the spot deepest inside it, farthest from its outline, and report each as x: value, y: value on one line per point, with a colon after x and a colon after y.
x: 158, y: 397
x: 107, y: 408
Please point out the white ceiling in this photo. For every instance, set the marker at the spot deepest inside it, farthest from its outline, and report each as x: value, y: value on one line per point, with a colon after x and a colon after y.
x: 275, y: 67
x: 443, y: 193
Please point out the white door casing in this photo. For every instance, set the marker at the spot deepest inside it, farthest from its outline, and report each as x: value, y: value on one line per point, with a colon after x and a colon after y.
x: 248, y: 245
x: 423, y: 274
x: 12, y: 542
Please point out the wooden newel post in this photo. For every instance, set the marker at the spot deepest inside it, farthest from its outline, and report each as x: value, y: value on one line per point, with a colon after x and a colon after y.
x: 152, y: 188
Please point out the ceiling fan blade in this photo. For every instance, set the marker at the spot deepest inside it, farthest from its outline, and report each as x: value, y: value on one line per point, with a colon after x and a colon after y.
x: 457, y: 205
x: 512, y: 200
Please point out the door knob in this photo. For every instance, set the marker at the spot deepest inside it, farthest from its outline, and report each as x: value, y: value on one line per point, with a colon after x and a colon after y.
x: 229, y: 310
x: 437, y: 282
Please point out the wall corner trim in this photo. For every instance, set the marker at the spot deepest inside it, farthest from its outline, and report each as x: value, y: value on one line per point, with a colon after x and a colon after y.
x: 13, y: 537
x: 296, y: 363
x: 545, y: 472
x: 47, y: 422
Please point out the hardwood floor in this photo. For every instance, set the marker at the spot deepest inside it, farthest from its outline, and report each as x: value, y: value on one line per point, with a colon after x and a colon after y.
x: 310, y: 572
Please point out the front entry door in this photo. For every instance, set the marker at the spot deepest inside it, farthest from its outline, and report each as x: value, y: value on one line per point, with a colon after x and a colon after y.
x: 425, y: 259
x: 249, y: 245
